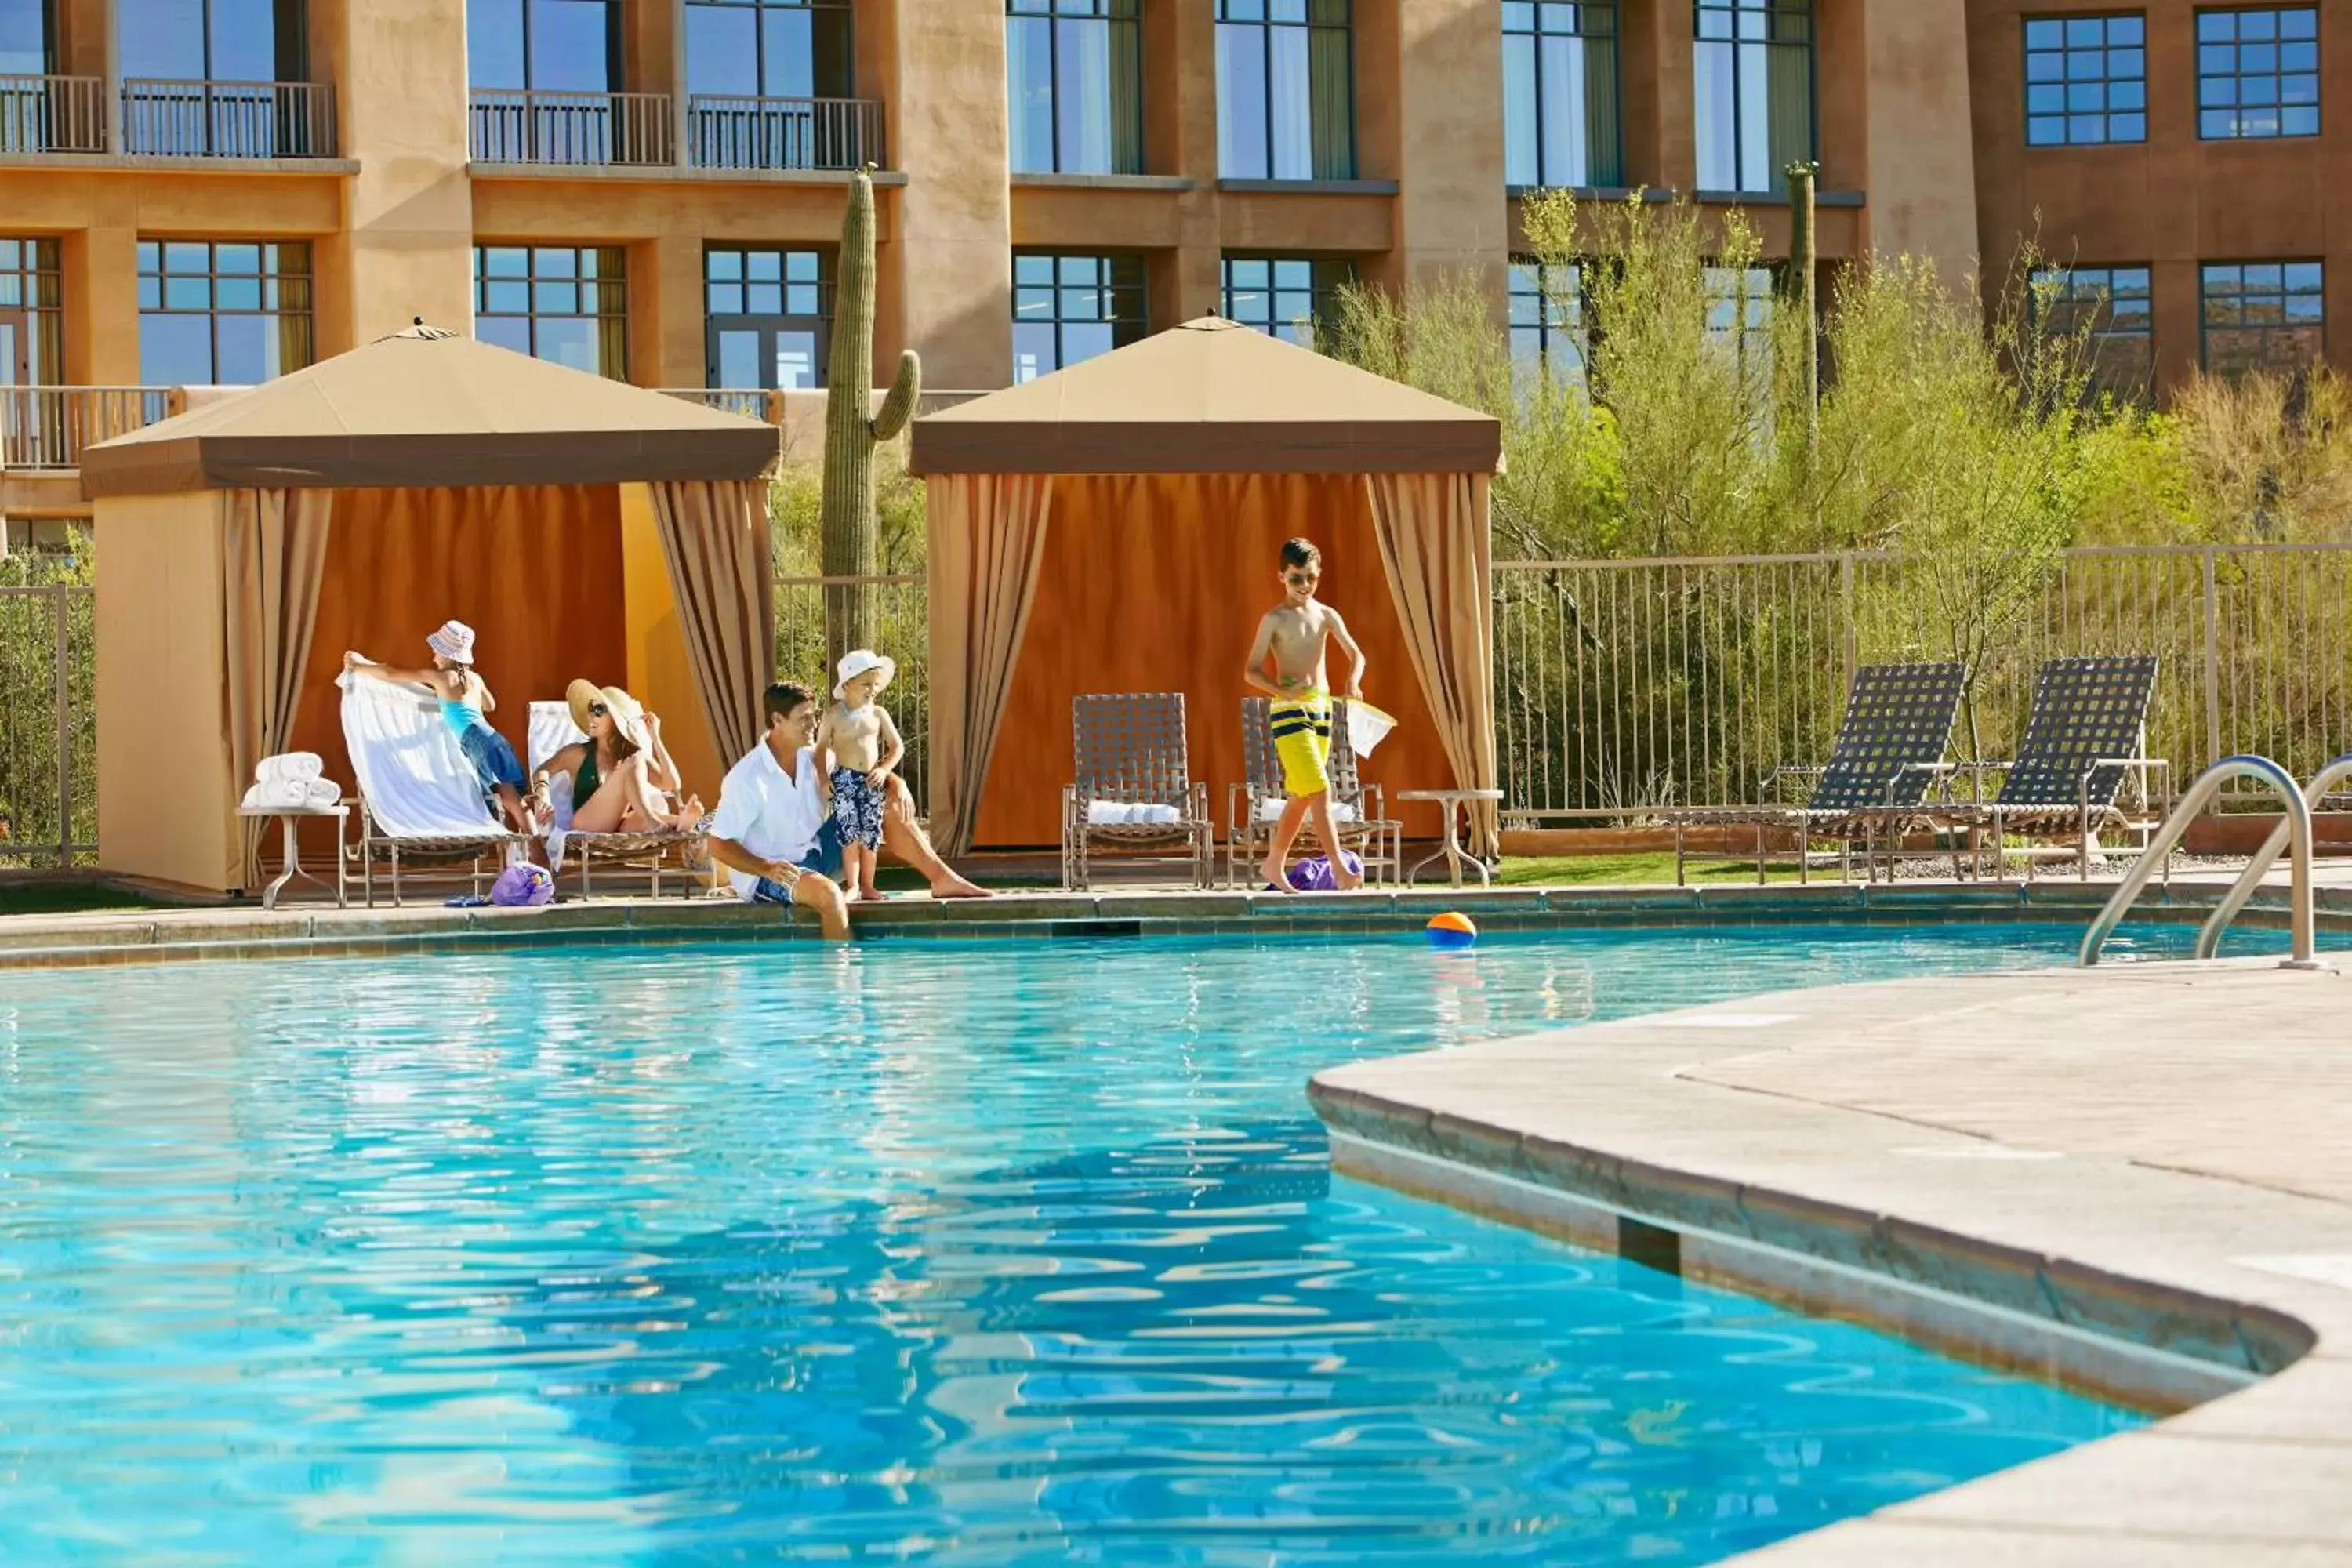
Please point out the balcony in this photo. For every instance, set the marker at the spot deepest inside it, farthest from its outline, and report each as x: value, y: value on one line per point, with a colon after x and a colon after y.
x: 724, y: 133
x: 45, y: 429
x: 523, y: 126
x: 229, y: 118
x: 52, y: 115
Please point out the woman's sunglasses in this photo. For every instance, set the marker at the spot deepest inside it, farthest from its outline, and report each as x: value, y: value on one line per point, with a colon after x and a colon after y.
x: 597, y: 710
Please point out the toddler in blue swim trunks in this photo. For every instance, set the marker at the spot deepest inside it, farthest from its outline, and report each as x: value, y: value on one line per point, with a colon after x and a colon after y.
x: 857, y: 747
x: 465, y: 701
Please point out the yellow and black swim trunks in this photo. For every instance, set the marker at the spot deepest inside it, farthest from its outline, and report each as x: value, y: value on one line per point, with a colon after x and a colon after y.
x: 1302, y: 740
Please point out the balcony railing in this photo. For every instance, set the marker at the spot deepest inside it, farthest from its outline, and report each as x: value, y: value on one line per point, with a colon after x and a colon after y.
x: 513, y: 126
x: 46, y: 427
x: 229, y: 118
x: 784, y: 133
x: 52, y: 115
x: 751, y: 401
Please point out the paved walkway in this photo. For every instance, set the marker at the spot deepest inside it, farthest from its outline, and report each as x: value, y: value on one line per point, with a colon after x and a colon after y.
x: 2161, y: 1150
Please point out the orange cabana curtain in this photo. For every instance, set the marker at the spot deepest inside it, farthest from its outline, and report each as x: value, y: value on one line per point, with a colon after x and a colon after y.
x: 714, y: 537
x: 275, y: 549
x: 987, y: 539
x: 1438, y: 552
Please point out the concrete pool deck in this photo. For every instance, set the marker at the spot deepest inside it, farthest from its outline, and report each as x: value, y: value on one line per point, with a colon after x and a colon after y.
x: 2156, y: 1152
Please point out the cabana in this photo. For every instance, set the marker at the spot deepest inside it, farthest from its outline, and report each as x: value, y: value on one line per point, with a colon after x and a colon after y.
x: 1114, y: 527
x: 583, y: 526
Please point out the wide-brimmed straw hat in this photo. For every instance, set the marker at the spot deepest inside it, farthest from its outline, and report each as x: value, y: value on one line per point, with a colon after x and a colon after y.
x: 454, y: 641
x: 856, y: 662
x: 580, y: 695
x: 628, y: 715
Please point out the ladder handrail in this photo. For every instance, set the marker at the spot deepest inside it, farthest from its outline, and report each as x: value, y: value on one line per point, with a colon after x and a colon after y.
x: 2192, y: 803
x: 2241, y: 891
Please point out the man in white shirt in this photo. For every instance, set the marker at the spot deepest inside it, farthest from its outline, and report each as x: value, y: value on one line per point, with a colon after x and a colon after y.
x: 778, y: 841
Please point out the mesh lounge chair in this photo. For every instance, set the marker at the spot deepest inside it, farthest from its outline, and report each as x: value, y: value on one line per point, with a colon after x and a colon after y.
x: 1359, y: 810
x: 2085, y: 734
x: 1134, y: 786
x: 419, y: 797
x: 1889, y: 750
x: 552, y: 730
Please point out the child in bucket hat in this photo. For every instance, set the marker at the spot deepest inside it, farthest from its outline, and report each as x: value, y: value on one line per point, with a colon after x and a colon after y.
x: 856, y: 748
x: 466, y: 700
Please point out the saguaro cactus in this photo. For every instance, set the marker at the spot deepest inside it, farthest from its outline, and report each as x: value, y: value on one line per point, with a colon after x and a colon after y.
x: 852, y: 432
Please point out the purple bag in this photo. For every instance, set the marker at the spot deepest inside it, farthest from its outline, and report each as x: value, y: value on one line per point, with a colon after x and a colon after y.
x: 1313, y: 874
x: 522, y: 886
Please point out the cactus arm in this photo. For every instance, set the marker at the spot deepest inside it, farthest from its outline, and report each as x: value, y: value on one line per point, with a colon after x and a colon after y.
x: 900, y: 407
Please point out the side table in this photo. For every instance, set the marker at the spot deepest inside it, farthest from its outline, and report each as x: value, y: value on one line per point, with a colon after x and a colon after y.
x: 1452, y: 851
x: 292, y: 816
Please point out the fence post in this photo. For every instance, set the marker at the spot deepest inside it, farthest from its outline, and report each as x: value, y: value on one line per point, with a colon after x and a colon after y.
x: 1845, y: 596
x: 2212, y: 659
x: 61, y: 697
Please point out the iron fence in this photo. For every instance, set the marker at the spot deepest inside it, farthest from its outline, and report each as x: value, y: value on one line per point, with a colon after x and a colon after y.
x: 1625, y: 686
x: 736, y: 132
x: 46, y: 427
x: 48, y: 719
x: 52, y: 115
x: 527, y: 126
x: 229, y: 118
x: 901, y: 616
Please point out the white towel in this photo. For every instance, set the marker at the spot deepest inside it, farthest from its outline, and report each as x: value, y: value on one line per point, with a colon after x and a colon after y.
x: 324, y: 793
x: 288, y: 795
x: 1120, y: 813
x: 300, y: 766
x: 416, y: 780
x: 1270, y: 810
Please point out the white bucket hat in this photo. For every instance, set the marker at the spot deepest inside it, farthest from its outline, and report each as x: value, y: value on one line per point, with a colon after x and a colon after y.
x: 856, y: 662
x: 454, y: 641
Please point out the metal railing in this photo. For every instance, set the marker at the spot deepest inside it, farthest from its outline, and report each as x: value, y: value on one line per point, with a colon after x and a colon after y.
x: 1623, y: 687
x: 229, y: 118
x: 527, y: 126
x: 2194, y: 802
x: 48, y: 727
x: 900, y: 608
x: 46, y: 427
x: 730, y: 133
x: 764, y: 405
x: 2241, y: 891
x: 52, y: 115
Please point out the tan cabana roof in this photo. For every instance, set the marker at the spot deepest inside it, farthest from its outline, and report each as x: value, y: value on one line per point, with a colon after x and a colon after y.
x: 427, y: 408
x: 1211, y: 397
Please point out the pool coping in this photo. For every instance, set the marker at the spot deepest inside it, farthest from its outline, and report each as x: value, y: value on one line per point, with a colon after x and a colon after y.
x: 1610, y: 1136
x: 153, y: 936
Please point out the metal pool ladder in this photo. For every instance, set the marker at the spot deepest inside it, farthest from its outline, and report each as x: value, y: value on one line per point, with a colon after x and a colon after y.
x: 2294, y: 835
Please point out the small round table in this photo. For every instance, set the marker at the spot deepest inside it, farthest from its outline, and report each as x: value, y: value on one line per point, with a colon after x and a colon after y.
x: 1452, y: 851
x: 292, y: 816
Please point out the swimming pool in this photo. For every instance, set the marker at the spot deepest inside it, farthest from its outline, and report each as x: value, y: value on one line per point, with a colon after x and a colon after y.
x: 968, y: 1253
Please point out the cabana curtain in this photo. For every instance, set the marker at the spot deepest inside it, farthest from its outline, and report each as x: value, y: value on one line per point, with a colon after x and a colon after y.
x: 1434, y: 546
x: 714, y: 537
x: 274, y: 550
x: 987, y: 540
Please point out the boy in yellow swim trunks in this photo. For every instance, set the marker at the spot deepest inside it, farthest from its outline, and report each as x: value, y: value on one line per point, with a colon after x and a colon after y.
x: 1290, y: 646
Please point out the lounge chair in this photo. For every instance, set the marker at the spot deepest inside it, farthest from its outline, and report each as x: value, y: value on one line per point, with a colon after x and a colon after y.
x: 419, y: 799
x: 1134, y: 786
x: 552, y: 730
x: 2085, y: 736
x: 1359, y: 810
x: 1889, y: 750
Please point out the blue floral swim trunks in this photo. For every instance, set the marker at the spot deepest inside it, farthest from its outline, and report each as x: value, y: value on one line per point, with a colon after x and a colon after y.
x: 857, y: 808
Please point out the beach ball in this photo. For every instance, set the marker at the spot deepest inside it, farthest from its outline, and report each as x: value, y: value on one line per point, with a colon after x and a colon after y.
x: 1451, y: 930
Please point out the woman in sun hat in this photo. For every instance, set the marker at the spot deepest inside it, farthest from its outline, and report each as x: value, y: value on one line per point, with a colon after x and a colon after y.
x: 466, y: 702
x: 624, y: 779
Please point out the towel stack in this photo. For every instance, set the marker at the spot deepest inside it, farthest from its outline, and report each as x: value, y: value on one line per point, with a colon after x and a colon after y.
x: 292, y: 783
x: 1120, y: 813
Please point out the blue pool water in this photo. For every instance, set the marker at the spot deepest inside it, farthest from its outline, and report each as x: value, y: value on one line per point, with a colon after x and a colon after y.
x: 957, y: 1253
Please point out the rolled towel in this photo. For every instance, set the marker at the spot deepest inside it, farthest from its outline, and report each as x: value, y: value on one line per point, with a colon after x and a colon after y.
x: 289, y: 794
x: 300, y: 766
x: 323, y: 791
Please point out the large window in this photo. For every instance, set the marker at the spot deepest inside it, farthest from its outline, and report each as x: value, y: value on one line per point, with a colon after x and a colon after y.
x: 222, y: 312
x: 2085, y: 80
x: 770, y: 48
x: 1753, y: 84
x: 765, y: 311
x: 551, y: 46
x: 27, y: 38
x: 1560, y: 121
x: 213, y: 40
x: 1285, y: 297
x: 1285, y: 97
x: 32, y: 351
x: 568, y: 303
x: 1547, y: 319
x: 1073, y: 84
x: 2258, y: 73
x: 2110, y: 307
x: 2261, y: 315
x: 1071, y: 308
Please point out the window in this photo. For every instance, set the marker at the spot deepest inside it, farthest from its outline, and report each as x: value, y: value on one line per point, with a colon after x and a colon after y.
x: 1559, y: 94
x: 1285, y: 105
x: 1071, y: 308
x: 28, y: 45
x: 1073, y: 82
x: 32, y: 349
x: 1753, y: 81
x: 2109, y: 305
x: 213, y: 40
x: 1547, y: 319
x: 561, y: 302
x: 765, y: 314
x: 2258, y: 73
x: 2261, y: 315
x: 552, y: 45
x: 2085, y: 80
x: 770, y: 48
x: 1739, y: 316
x: 1284, y: 297
x: 222, y: 312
